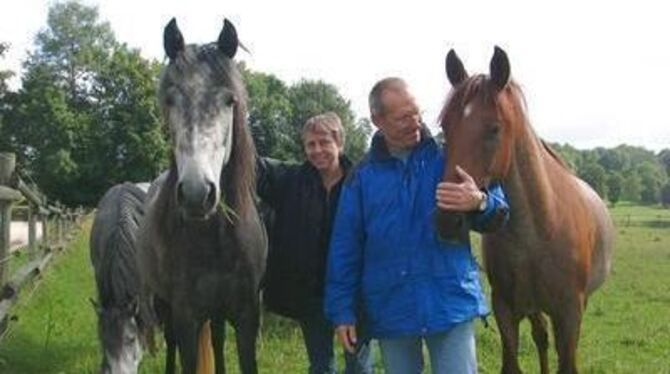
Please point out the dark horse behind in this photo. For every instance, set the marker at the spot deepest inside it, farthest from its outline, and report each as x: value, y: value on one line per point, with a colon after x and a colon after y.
x: 113, y: 245
x: 203, y: 246
x: 556, y: 248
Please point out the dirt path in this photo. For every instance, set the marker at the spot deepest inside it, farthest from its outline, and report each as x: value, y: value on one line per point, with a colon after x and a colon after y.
x: 19, y: 234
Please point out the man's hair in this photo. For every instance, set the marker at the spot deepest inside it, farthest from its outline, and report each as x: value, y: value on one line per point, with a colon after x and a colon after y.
x: 326, y: 123
x: 375, y: 97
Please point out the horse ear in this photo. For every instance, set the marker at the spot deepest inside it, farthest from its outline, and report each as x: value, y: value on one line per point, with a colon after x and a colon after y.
x: 455, y: 70
x: 228, y: 41
x: 499, y: 68
x: 173, y: 41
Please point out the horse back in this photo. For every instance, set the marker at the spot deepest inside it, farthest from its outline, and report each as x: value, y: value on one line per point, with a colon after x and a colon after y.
x: 113, y: 243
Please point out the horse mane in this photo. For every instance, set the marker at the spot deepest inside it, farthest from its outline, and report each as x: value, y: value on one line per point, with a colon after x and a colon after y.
x: 555, y: 155
x: 238, y: 178
x: 116, y: 228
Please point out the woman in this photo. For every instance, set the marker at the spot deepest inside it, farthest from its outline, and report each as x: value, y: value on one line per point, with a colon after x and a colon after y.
x: 304, y: 199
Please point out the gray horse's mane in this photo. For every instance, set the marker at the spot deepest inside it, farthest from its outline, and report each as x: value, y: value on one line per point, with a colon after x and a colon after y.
x: 114, y: 245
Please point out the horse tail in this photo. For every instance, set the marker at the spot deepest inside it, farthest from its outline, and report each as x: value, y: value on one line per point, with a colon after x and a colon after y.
x: 205, y: 363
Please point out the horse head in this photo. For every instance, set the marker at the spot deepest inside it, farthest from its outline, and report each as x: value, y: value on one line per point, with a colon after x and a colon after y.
x: 119, y: 331
x: 201, y: 98
x: 479, y: 120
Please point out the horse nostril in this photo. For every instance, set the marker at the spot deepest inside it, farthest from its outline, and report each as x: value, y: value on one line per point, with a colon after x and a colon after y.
x: 211, y: 195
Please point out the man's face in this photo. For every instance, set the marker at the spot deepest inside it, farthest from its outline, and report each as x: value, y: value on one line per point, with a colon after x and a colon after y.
x: 401, y: 121
x: 322, y: 150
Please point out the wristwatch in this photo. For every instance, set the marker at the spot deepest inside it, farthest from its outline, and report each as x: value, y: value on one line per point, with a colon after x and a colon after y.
x: 483, y: 202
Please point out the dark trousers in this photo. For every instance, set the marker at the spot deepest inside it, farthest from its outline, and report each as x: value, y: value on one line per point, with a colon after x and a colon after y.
x: 318, y: 334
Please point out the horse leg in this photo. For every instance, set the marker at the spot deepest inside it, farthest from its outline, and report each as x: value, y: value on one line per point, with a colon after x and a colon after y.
x: 186, y: 332
x: 164, y: 315
x: 566, y: 325
x: 508, y: 325
x: 171, y: 344
x: 246, y: 331
x: 218, y: 343
x: 539, y: 327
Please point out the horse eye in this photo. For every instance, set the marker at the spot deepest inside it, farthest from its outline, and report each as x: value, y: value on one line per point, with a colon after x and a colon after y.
x: 492, y: 132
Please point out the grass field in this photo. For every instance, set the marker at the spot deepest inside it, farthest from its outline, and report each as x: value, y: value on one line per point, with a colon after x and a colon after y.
x: 626, y: 328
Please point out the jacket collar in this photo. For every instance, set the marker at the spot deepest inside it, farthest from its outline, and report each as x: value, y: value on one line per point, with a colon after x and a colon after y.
x: 345, y: 164
x: 379, y: 151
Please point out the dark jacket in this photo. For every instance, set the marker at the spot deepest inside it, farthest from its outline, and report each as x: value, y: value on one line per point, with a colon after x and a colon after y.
x: 299, y: 236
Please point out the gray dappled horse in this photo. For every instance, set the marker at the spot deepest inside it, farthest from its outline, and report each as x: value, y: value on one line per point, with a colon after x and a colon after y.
x: 113, y: 255
x: 203, y: 246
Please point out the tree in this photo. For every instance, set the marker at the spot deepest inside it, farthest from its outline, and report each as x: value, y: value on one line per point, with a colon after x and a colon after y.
x: 594, y: 174
x: 652, y: 180
x: 4, y: 74
x: 665, y: 196
x: 74, y: 45
x: 632, y: 186
x: 269, y: 114
x: 4, y: 99
x: 278, y: 112
x: 86, y: 116
x: 310, y: 98
x: 615, y: 183
x: 569, y: 154
x: 125, y: 137
x: 613, y: 160
x: 664, y: 158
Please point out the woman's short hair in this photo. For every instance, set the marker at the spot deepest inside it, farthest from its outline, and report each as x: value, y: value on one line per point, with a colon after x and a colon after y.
x: 326, y: 123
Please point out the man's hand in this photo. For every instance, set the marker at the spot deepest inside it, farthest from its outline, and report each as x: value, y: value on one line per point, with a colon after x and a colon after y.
x: 346, y: 334
x: 459, y: 197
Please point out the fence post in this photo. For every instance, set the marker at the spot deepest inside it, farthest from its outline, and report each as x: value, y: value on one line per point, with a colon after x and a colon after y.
x: 7, y: 165
x: 59, y: 228
x: 32, y: 231
x: 45, y: 229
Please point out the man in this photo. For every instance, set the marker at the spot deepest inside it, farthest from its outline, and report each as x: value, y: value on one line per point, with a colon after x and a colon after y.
x: 304, y: 199
x: 386, y: 257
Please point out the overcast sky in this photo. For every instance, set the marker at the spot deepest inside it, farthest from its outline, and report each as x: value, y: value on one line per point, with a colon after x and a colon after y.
x: 595, y: 73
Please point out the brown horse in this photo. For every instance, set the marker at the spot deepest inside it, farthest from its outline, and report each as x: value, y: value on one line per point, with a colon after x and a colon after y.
x: 556, y: 248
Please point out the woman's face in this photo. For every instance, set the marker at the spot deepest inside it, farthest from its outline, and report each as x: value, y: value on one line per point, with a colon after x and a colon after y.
x: 322, y: 150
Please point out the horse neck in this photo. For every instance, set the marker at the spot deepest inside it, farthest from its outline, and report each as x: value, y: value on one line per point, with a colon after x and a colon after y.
x: 529, y: 185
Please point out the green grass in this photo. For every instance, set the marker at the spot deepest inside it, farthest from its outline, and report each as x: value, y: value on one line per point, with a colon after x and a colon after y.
x: 626, y: 328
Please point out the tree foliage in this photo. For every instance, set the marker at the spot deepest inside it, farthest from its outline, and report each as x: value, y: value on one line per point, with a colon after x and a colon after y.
x: 621, y: 173
x: 85, y: 117
x: 277, y: 113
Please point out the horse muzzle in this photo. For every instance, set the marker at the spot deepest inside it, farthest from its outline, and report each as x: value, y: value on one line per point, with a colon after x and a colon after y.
x: 197, y: 199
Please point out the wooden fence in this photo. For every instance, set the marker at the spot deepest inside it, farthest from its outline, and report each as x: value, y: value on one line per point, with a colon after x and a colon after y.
x: 57, y: 226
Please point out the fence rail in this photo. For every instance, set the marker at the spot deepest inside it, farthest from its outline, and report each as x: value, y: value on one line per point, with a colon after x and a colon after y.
x: 61, y: 222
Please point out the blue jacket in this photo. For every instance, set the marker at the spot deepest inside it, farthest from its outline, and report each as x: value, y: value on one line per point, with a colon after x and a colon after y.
x: 386, y: 259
